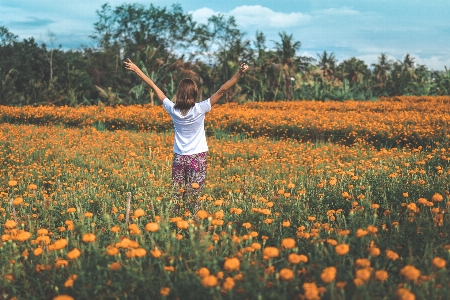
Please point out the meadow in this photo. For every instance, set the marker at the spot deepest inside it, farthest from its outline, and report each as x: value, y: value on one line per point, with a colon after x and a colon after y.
x: 303, y: 200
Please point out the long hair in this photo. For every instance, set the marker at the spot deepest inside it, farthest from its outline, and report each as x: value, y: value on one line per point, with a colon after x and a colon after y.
x: 186, y: 95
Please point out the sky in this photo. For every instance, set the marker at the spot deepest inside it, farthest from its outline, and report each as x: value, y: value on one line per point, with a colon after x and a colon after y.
x: 347, y: 28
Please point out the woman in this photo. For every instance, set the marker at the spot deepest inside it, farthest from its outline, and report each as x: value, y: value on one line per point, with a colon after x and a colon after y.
x: 190, y: 147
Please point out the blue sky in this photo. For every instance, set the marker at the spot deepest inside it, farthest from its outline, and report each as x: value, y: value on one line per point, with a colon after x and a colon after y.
x: 359, y: 28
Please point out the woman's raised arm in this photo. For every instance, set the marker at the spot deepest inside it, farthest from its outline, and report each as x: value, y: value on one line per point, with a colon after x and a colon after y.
x: 217, y: 95
x: 129, y: 65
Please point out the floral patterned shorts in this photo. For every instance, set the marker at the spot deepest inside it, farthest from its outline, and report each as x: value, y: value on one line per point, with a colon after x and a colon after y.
x: 186, y: 171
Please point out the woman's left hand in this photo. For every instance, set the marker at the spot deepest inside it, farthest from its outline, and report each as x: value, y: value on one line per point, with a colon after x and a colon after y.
x: 129, y: 65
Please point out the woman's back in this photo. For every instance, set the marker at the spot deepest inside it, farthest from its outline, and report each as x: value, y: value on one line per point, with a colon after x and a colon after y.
x: 190, y: 137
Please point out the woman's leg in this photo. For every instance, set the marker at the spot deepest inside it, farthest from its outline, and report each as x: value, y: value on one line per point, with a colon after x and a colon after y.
x: 196, y: 166
x: 178, y: 178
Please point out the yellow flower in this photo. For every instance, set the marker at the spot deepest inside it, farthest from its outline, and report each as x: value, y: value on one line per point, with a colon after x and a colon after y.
x: 328, y: 274
x: 231, y: 264
x: 75, y: 253
x: 286, y: 274
x: 164, y: 291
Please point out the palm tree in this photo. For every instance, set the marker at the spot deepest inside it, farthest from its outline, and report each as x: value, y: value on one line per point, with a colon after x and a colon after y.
x: 327, y: 63
x: 381, y: 72
x: 286, y: 51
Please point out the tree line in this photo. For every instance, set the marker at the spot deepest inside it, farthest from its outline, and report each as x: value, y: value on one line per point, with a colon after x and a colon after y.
x: 168, y: 45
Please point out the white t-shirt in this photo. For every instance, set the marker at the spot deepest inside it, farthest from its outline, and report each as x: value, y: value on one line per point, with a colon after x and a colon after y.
x: 190, y: 135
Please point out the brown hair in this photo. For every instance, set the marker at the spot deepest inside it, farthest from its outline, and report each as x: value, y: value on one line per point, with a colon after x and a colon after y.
x: 186, y: 95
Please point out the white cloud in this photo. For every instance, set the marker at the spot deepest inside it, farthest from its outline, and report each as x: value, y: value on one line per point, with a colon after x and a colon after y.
x: 256, y: 16
x: 343, y: 11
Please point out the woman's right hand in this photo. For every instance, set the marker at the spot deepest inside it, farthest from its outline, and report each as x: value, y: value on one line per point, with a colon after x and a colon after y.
x: 129, y: 65
x: 243, y: 67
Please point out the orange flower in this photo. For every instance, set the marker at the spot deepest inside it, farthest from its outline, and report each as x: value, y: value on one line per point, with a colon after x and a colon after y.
x: 182, y: 224
x: 61, y: 263
x: 437, y: 197
x: 164, y: 291
x: 296, y: 258
x: 152, y: 227
x: 115, y: 266
x: 231, y: 264
x: 391, y: 255
x: 210, y: 281
x: 381, y: 275
x: 115, y: 229
x: 405, y: 294
x: 288, y: 243
x: 410, y: 272
x: 139, y: 213
x: 37, y: 251
x: 18, y: 201
x: 311, y: 291
x: 228, y: 284
x: 286, y: 274
x: 328, y: 274
x: 74, y: 254
x: 63, y: 297
x: 363, y: 274
x: 32, y: 187
x: 270, y: 252
x: 10, y: 224
x: 361, y: 232
x: 439, y: 263
x: 195, y: 185
x: 12, y: 183
x: 88, y: 238
x: 342, y: 249
x: 202, y: 214
x: 88, y: 214
x: 112, y: 251
x: 203, y: 272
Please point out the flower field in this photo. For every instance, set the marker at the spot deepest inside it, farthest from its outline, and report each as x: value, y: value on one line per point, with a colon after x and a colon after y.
x: 303, y: 200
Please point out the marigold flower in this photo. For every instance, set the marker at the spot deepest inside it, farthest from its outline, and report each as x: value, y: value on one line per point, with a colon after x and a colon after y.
x: 112, y: 251
x: 71, y: 210
x: 32, y: 187
x: 134, y: 229
x: 61, y: 263
x: 68, y: 283
x: 288, y: 243
x: 391, y: 255
x: 139, y: 213
x: 439, y: 262
x: 152, y: 227
x: 256, y: 246
x: 210, y: 281
x: 231, y: 264
x: 74, y: 254
x: 115, y: 266
x: 58, y: 245
x: 405, y: 294
x: 358, y: 282
x: 63, y: 297
x: 12, y: 183
x: 297, y: 258
x: 342, y: 249
x: 286, y: 274
x: 203, y: 272
x: 18, y: 201
x: 362, y: 263
x: 140, y: 252
x: 88, y: 238
x: 202, y: 214
x: 328, y: 274
x: 37, y: 251
x: 10, y: 224
x: 437, y: 197
x: 286, y: 224
x: 363, y: 274
x: 228, y: 284
x: 88, y: 214
x: 270, y: 252
x: 195, y: 185
x: 410, y: 272
x: 115, y: 229
x: 361, y: 232
x: 374, y: 251
x: 381, y: 275
x: 164, y: 291
x: 311, y: 291
x: 182, y: 224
